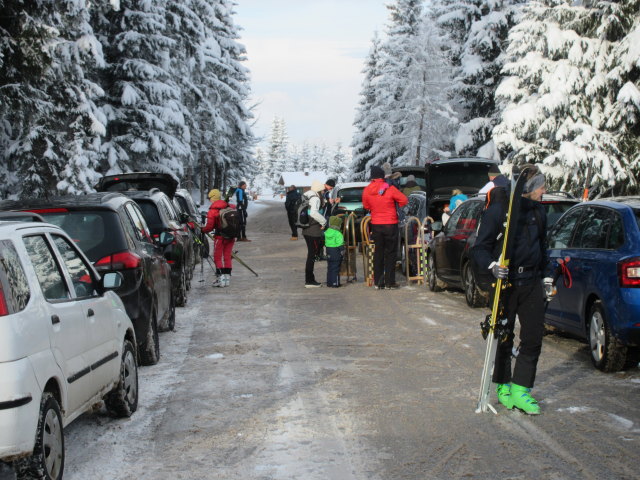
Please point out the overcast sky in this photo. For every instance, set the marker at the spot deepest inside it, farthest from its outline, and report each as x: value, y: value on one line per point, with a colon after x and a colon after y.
x: 306, y: 58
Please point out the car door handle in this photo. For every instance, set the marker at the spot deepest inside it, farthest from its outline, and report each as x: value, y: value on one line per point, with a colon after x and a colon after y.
x: 90, y: 313
x: 55, y: 319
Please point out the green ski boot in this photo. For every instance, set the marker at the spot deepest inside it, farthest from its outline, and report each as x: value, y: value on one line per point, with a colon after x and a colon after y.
x: 504, y: 394
x: 522, y: 399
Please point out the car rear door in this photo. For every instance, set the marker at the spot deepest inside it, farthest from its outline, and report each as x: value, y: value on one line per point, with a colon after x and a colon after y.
x: 68, y: 328
x: 443, y: 245
x: 593, y: 263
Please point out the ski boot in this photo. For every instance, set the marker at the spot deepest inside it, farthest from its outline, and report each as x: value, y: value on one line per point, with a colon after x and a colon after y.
x: 226, y: 280
x: 217, y: 281
x: 504, y: 394
x: 522, y: 400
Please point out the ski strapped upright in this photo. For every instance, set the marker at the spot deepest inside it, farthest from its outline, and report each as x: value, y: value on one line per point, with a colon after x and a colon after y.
x: 494, y: 327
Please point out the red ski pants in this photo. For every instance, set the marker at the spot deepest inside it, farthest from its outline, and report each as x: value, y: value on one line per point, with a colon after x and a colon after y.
x: 222, y: 249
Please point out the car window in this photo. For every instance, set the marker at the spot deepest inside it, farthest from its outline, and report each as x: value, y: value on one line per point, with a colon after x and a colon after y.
x: 616, y: 232
x: 593, y: 228
x: 78, y: 270
x: 151, y: 215
x: 560, y: 234
x: 169, y: 210
x: 47, y: 270
x: 142, y: 232
x: 351, y: 195
x: 452, y: 223
x: 13, y: 280
x: 555, y: 210
x: 97, y: 233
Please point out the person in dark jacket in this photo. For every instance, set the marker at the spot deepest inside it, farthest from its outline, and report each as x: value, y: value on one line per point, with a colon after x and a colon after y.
x: 382, y: 200
x: 524, y: 294
x: 290, y: 204
x: 242, y: 202
x: 314, y: 233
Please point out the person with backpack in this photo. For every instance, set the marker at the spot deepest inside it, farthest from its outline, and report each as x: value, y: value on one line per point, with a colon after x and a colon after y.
x: 290, y: 204
x: 523, y: 296
x: 225, y: 220
x: 383, y: 200
x: 242, y: 202
x: 313, y: 231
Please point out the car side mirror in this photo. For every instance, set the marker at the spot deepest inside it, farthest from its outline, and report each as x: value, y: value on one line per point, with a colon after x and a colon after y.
x: 165, y: 239
x: 111, y: 280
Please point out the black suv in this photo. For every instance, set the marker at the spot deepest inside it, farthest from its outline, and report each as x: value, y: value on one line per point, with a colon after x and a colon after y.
x: 184, y: 204
x: 154, y: 192
x: 111, y: 230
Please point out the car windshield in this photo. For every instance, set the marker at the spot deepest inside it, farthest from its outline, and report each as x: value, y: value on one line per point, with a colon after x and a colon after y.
x: 351, y: 195
x: 555, y: 210
x: 88, y: 229
x: 466, y: 176
x: 422, y: 183
x: 151, y: 215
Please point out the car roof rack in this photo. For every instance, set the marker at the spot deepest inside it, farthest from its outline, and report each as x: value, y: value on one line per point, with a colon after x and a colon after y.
x: 21, y: 217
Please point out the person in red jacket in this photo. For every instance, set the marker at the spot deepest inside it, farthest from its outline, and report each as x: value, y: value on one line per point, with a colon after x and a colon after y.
x: 381, y: 200
x: 222, y: 246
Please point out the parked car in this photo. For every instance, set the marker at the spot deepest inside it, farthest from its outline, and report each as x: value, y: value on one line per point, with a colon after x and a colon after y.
x: 110, y: 229
x: 184, y: 204
x: 448, y: 252
x: 350, y: 195
x: 154, y: 193
x: 602, y: 305
x: 66, y: 343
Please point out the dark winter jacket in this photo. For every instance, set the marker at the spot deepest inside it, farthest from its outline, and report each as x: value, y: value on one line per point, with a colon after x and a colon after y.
x: 290, y: 202
x: 381, y: 199
x: 528, y: 256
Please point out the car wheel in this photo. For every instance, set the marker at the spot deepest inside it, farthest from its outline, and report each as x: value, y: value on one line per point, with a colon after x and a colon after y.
x: 435, y: 284
x: 472, y: 294
x: 47, y: 459
x: 122, y: 401
x: 150, y: 351
x: 607, y: 353
x: 181, y: 297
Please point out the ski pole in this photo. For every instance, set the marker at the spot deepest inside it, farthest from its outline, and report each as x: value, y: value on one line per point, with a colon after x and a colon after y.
x: 234, y: 256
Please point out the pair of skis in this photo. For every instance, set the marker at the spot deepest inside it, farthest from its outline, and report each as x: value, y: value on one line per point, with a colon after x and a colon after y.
x: 494, y: 326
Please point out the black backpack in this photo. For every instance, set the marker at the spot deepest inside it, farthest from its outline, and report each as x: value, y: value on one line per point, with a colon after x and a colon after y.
x: 229, y: 222
x: 301, y: 207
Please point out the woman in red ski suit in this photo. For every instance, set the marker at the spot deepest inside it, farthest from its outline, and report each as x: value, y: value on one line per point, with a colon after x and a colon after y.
x: 381, y: 200
x: 222, y: 247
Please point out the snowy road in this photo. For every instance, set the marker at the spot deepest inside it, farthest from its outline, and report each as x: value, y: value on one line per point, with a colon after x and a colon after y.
x: 267, y: 380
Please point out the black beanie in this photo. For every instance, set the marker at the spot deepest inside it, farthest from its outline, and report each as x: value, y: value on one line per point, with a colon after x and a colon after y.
x: 331, y: 182
x: 376, y: 172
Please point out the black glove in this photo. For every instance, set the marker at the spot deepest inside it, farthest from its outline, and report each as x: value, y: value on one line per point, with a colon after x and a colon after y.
x: 499, y: 271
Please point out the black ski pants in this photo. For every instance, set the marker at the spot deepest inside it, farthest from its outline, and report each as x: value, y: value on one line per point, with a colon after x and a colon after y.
x: 314, y: 246
x: 243, y: 224
x: 385, y: 238
x: 526, y: 301
x: 334, y: 260
x: 292, y: 223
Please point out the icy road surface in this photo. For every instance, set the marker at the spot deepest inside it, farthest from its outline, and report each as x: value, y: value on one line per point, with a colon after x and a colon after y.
x: 269, y: 380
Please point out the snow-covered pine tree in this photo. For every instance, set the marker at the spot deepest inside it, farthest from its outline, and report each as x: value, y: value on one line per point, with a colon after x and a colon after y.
x: 278, y: 150
x: 365, y: 122
x: 50, y: 124
x: 477, y: 32
x: 146, y: 129
x: 561, y: 103
x: 340, y: 164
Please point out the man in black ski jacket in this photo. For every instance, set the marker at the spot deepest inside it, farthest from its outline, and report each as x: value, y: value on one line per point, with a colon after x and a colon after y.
x: 290, y: 205
x: 242, y: 202
x: 524, y: 295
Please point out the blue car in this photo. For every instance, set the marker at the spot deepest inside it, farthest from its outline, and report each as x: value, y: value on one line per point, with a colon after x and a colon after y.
x: 601, y: 239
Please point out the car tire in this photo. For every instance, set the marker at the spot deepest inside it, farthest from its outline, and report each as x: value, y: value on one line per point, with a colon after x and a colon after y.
x: 435, y: 284
x: 472, y: 293
x: 607, y: 353
x: 181, y: 297
x: 47, y: 459
x: 171, y: 322
x: 150, y: 348
x: 122, y: 401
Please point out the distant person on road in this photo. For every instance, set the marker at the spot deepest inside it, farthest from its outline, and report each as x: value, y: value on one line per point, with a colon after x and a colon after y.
x: 382, y: 200
x: 222, y: 245
x: 334, y: 241
x: 290, y: 205
x: 496, y: 179
x: 242, y: 202
x: 411, y: 186
x: 330, y: 204
x: 313, y: 234
x: 524, y: 295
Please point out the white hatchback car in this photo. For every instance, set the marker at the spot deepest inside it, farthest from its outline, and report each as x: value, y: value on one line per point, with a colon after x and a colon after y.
x: 66, y: 343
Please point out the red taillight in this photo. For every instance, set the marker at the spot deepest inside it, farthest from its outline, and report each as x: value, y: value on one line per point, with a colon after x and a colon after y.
x: 3, y: 304
x: 48, y: 210
x: 119, y: 261
x: 629, y: 272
